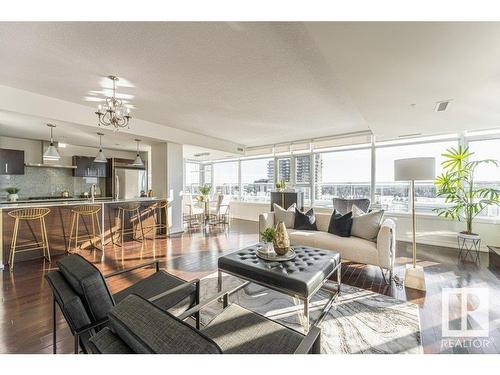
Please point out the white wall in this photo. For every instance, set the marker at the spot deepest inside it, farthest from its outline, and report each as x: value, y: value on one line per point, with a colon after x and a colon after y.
x: 431, y: 229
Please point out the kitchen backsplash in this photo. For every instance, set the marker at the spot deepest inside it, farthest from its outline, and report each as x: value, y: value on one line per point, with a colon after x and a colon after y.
x: 44, y: 182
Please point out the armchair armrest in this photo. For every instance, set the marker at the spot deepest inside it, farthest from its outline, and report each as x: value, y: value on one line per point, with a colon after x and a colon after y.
x: 266, y: 220
x: 311, y: 343
x: 86, y: 329
x: 120, y: 272
x: 386, y: 244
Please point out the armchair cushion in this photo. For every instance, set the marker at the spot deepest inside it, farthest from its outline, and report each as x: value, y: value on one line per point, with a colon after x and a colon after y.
x: 145, y: 328
x: 106, y: 342
x: 88, y: 282
x: 176, y: 303
x: 239, y: 331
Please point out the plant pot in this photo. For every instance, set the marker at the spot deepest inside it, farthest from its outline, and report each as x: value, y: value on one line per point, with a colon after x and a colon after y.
x: 468, y: 236
x: 268, y: 247
x: 13, y: 197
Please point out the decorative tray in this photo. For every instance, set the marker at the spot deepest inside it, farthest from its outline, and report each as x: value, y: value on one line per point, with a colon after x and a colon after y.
x: 273, y: 257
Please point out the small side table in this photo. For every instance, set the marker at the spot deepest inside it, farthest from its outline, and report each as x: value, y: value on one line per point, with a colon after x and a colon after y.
x: 469, y: 244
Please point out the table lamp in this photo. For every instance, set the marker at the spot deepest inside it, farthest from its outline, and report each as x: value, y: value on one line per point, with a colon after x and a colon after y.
x: 414, y: 169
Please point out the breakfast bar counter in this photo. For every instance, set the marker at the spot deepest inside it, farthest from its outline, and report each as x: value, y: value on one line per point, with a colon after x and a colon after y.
x: 59, y: 221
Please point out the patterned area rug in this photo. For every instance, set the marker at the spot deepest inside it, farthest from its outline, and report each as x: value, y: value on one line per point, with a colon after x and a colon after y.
x: 360, y: 321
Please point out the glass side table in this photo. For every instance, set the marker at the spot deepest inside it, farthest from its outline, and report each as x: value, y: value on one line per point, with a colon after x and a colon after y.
x: 469, y: 244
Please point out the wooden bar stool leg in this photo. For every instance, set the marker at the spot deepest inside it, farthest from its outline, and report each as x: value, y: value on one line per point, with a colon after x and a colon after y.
x: 140, y: 223
x: 76, y: 233
x: 93, y: 231
x: 71, y: 231
x: 46, y: 239
x: 99, y: 231
x: 43, y: 238
x: 13, y: 244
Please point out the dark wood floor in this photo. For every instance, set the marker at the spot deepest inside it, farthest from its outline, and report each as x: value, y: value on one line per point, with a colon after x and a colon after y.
x: 25, y: 308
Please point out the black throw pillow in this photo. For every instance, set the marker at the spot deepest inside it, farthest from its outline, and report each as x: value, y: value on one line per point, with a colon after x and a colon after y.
x: 305, y: 220
x: 340, y: 225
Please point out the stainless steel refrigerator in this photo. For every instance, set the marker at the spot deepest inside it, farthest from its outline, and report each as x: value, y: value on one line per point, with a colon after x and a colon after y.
x: 129, y: 182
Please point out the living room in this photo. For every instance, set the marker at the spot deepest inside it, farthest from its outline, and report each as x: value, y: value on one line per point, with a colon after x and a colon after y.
x: 305, y: 183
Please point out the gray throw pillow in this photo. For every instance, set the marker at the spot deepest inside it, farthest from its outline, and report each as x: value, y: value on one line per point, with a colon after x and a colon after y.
x: 367, y: 225
x: 286, y: 216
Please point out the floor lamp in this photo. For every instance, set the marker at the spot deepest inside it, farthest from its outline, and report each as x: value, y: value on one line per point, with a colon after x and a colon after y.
x: 414, y: 169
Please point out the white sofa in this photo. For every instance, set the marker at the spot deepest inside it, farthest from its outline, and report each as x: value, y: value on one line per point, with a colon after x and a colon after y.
x: 380, y: 253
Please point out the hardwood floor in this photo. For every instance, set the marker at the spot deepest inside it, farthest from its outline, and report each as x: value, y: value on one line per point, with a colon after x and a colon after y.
x: 25, y: 309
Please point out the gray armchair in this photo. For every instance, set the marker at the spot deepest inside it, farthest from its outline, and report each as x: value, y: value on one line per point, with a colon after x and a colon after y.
x: 83, y: 296
x: 343, y: 206
x: 138, y: 326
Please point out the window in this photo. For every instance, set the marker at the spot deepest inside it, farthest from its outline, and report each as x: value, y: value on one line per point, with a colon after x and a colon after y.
x: 257, y: 180
x: 394, y: 195
x: 192, y: 177
x: 225, y: 175
x: 487, y: 175
x: 342, y: 174
x: 207, y: 174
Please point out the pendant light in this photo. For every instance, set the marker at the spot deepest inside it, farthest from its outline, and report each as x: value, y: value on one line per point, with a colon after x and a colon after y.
x: 100, y: 158
x: 51, y: 153
x: 138, y: 161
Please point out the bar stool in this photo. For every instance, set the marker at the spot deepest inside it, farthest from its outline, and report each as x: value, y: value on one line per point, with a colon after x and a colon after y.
x: 158, y: 209
x: 29, y: 214
x: 134, y: 213
x: 86, y: 210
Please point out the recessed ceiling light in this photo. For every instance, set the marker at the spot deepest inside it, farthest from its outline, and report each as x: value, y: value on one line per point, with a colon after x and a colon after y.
x: 441, y: 106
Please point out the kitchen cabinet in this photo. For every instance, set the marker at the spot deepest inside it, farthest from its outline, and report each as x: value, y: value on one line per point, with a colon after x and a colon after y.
x: 11, y: 161
x: 86, y: 167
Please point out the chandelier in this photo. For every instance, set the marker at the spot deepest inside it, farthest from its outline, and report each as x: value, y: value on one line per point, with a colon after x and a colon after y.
x: 113, y: 112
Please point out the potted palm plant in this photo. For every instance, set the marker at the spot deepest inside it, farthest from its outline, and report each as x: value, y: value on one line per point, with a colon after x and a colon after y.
x: 457, y: 185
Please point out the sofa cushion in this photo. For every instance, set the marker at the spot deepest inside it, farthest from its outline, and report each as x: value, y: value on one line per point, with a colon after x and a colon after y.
x: 302, y: 237
x: 305, y: 220
x: 286, y: 216
x: 350, y: 248
x: 145, y: 328
x: 367, y: 225
x: 340, y: 225
x: 88, y: 282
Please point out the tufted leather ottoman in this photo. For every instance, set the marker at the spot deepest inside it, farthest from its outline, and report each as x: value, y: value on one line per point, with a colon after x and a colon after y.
x: 301, y: 277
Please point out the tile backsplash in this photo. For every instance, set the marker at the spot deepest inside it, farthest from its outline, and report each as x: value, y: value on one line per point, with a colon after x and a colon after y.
x: 43, y: 182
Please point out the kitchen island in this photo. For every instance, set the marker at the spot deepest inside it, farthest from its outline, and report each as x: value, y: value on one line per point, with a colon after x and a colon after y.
x: 58, y: 224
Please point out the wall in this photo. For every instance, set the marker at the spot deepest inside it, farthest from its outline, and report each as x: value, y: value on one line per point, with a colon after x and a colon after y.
x: 431, y: 229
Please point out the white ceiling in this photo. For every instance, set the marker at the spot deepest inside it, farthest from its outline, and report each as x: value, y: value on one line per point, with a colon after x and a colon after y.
x: 262, y: 83
x: 29, y: 127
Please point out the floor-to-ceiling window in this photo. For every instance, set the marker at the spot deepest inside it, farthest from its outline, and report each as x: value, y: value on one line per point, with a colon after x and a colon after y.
x: 191, y: 177
x: 393, y: 195
x: 225, y: 177
x: 487, y: 174
x: 304, y: 171
x: 342, y: 174
x: 257, y: 179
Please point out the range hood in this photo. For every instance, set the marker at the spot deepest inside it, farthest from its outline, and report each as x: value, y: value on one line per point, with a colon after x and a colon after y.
x: 39, y: 165
x: 52, y: 164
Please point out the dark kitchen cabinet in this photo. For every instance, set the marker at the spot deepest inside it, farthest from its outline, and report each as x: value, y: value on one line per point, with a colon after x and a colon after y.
x: 86, y: 167
x: 11, y: 161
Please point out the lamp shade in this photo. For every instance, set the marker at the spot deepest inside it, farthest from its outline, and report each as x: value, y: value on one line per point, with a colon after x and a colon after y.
x: 51, y: 153
x: 415, y: 169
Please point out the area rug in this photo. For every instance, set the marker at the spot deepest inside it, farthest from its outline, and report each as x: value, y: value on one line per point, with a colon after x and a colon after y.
x: 360, y: 321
